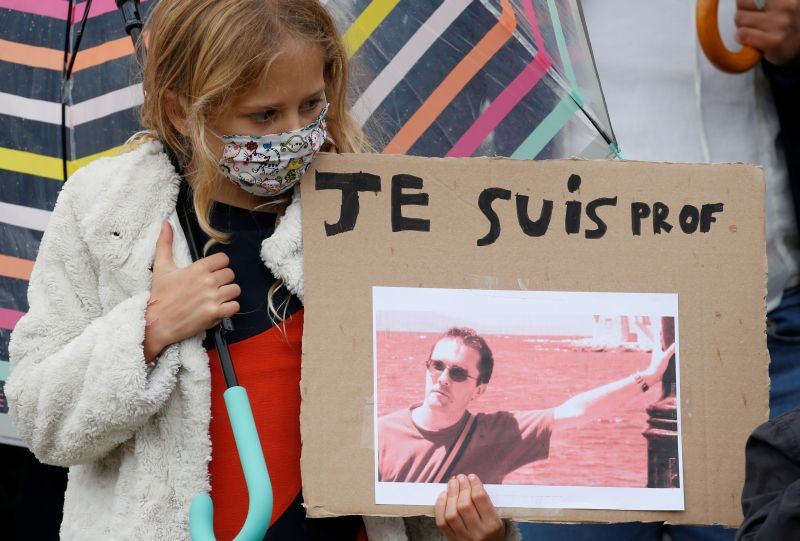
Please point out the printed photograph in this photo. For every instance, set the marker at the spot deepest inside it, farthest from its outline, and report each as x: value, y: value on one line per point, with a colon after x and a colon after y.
x: 553, y: 399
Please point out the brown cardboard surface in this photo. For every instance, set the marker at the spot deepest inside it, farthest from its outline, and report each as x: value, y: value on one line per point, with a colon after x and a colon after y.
x: 719, y: 277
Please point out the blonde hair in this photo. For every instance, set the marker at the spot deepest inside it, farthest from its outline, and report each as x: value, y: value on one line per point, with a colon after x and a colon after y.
x: 206, y: 53
x: 203, y: 54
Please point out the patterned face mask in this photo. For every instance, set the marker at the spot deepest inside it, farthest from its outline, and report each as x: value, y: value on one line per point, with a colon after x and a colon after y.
x: 272, y: 164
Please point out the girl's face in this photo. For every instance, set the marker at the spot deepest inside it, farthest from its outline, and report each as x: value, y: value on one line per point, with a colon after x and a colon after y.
x: 292, y: 97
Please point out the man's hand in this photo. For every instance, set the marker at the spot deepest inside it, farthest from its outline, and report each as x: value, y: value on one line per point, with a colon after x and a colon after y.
x: 775, y: 30
x: 603, y: 400
x: 659, y: 360
x: 187, y: 301
x: 466, y: 513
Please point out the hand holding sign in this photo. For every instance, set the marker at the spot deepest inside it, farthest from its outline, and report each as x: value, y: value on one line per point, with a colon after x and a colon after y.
x: 466, y: 513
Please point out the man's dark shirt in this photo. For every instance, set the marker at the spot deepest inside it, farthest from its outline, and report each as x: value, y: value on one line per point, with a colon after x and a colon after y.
x: 496, y: 445
x: 771, y: 495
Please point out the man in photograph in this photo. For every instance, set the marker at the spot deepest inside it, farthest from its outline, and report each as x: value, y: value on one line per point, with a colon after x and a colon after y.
x: 439, y: 438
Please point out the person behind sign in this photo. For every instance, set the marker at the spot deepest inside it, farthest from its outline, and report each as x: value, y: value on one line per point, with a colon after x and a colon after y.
x: 771, y: 491
x: 440, y: 438
x: 667, y: 103
x: 109, y: 375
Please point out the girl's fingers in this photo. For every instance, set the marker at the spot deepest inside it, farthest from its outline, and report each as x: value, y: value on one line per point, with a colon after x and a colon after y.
x: 492, y: 526
x: 229, y: 292
x: 481, y: 500
x: 438, y: 514
x: 451, y: 515
x: 465, y: 506
x: 229, y: 309
x: 163, y: 258
x: 214, y: 262
x: 223, y: 276
x: 466, y: 512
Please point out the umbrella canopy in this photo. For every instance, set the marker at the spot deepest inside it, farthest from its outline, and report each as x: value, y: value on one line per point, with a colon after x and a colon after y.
x: 466, y: 78
x: 440, y: 78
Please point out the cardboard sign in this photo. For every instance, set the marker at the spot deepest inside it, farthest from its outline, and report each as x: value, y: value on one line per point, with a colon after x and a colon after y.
x: 569, y: 281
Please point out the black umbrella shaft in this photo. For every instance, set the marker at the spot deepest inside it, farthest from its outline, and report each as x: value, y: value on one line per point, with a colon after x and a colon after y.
x: 133, y: 25
x: 224, y: 356
x: 130, y: 13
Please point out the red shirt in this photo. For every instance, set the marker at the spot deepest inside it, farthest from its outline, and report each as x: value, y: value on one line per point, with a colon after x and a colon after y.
x: 497, y: 444
x: 271, y: 376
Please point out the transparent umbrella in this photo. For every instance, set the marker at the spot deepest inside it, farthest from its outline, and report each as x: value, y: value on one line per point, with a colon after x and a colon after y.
x: 466, y: 78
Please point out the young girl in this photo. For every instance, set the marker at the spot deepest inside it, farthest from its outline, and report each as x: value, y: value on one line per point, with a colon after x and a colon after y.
x: 109, y: 373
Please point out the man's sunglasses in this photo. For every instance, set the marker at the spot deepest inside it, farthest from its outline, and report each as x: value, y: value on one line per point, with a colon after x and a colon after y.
x: 456, y: 373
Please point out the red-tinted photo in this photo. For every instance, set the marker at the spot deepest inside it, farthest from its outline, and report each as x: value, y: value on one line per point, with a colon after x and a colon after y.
x: 526, y: 388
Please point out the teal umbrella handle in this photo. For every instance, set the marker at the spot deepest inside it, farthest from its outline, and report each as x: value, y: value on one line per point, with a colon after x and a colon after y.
x: 259, y: 488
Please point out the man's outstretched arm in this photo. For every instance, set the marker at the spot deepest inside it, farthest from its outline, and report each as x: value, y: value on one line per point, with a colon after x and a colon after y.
x: 604, y: 399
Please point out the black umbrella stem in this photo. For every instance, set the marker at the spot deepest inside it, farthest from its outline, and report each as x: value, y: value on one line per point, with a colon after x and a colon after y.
x: 224, y: 354
x: 133, y: 26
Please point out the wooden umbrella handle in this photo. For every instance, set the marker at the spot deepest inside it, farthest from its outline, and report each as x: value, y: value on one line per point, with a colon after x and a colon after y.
x: 711, y: 42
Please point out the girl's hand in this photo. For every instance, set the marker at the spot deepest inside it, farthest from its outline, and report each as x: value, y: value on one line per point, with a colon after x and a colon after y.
x: 465, y: 513
x: 187, y: 301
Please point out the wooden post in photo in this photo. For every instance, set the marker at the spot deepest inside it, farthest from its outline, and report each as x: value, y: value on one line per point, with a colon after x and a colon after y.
x: 662, y: 433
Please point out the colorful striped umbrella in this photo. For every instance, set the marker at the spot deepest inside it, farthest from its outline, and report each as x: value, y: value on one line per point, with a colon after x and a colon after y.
x: 435, y: 78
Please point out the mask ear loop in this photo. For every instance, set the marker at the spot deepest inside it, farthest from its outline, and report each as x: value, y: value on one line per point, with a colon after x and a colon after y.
x: 272, y: 203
